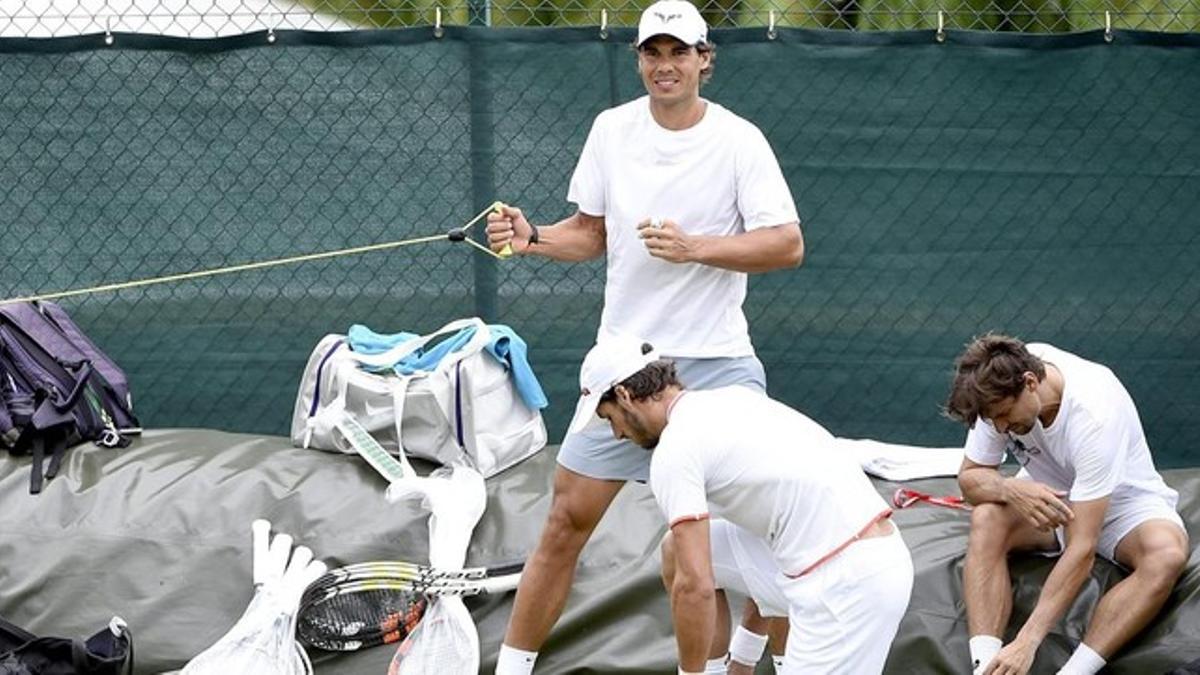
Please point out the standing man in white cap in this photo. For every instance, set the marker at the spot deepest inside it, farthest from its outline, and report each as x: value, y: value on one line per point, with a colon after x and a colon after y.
x: 684, y: 198
x: 837, y: 563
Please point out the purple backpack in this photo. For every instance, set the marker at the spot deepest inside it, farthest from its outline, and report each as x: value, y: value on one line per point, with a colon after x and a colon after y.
x: 57, y: 388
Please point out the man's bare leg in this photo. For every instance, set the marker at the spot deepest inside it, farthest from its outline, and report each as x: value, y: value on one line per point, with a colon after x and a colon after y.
x: 578, y: 505
x: 996, y: 530
x: 1157, y: 552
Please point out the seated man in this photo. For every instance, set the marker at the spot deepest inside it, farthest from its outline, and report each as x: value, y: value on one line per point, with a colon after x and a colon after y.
x: 1087, y: 487
x: 733, y: 452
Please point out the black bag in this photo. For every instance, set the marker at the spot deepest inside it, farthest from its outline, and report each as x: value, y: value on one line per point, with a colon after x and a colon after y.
x: 108, y: 652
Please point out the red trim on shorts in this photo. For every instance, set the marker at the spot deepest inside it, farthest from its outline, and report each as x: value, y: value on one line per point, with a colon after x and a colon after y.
x: 884, y: 514
x: 694, y: 516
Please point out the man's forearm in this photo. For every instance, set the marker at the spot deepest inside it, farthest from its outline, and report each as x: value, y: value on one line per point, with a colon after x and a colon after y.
x: 693, y: 610
x: 761, y: 250
x: 1059, y: 591
x: 573, y: 239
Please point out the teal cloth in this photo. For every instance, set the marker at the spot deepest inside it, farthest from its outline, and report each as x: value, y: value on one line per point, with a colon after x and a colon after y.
x: 508, y: 348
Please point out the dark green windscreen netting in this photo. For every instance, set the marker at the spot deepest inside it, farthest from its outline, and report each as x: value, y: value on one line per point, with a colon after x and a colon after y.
x: 1044, y: 186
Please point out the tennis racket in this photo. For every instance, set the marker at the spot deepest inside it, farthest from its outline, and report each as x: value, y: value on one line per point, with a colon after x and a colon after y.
x: 376, y: 603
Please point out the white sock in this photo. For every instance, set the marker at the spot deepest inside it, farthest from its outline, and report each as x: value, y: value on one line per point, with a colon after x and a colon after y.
x: 777, y: 659
x: 513, y: 661
x: 1085, y: 661
x: 984, y: 648
x: 717, y: 666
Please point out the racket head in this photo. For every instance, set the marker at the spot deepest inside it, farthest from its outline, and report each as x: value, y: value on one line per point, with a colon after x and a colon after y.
x: 358, y: 616
x: 369, y: 604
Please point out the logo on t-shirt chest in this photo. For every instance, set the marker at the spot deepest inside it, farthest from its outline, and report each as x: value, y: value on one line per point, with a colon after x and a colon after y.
x: 1021, y: 451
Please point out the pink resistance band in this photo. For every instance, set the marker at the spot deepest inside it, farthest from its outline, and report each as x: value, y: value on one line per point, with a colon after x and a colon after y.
x: 906, y: 497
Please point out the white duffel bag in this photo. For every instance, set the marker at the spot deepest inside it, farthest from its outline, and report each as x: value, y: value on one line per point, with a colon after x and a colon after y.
x: 466, y: 408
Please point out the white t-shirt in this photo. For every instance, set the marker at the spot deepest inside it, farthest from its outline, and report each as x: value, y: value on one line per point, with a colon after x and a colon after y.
x: 718, y: 177
x: 1094, y: 448
x: 735, y: 454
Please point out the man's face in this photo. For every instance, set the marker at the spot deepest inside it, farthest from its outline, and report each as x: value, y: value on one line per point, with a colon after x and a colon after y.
x: 670, y: 69
x: 1016, y: 414
x: 628, y: 422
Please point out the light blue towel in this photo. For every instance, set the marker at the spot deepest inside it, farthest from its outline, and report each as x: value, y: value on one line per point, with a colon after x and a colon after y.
x: 505, y: 346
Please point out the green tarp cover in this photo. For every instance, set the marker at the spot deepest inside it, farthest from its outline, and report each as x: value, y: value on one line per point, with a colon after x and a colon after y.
x: 159, y: 533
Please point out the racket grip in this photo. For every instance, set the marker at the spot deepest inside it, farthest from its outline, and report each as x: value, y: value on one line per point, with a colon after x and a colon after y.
x: 261, y: 531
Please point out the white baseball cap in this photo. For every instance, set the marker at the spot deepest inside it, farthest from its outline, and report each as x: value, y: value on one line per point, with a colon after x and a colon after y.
x: 608, y: 364
x: 678, y: 18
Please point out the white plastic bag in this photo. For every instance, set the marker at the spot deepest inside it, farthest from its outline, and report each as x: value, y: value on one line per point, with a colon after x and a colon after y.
x: 446, y: 642
x: 263, y: 641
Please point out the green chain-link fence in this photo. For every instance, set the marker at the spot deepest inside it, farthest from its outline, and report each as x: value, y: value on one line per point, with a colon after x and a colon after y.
x: 1044, y: 186
x: 208, y: 18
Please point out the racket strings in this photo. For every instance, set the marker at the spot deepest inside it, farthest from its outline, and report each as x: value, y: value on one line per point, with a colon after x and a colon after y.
x: 359, y: 619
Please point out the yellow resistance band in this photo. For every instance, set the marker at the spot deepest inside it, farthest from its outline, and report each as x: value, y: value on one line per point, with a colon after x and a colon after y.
x: 459, y: 234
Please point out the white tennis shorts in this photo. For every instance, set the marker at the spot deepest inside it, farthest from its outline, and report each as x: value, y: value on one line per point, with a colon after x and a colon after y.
x: 742, y: 563
x: 843, y: 615
x: 1121, y: 518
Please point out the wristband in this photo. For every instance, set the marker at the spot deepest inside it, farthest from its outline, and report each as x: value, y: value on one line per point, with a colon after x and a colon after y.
x: 746, y: 647
x: 533, y: 235
x: 687, y: 672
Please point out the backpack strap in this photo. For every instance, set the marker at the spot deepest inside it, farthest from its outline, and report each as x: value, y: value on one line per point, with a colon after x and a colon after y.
x: 52, y: 442
x: 79, y: 656
x: 37, y: 449
x: 58, y: 448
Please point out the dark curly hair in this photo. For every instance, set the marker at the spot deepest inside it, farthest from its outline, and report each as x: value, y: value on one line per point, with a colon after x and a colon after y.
x: 990, y: 369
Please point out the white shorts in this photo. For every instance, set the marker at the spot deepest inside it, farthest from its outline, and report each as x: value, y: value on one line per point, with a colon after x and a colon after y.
x: 1122, y: 516
x: 845, y: 613
x: 742, y: 563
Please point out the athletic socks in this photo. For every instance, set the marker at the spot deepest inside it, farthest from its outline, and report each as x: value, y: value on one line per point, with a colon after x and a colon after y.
x: 1085, y: 661
x: 717, y: 666
x: 777, y: 659
x: 983, y: 648
x: 513, y: 661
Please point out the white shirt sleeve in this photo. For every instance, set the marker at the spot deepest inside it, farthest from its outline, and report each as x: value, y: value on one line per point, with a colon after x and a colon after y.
x: 587, y: 187
x: 1093, y: 452
x: 984, y: 444
x: 763, y: 196
x: 677, y: 481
